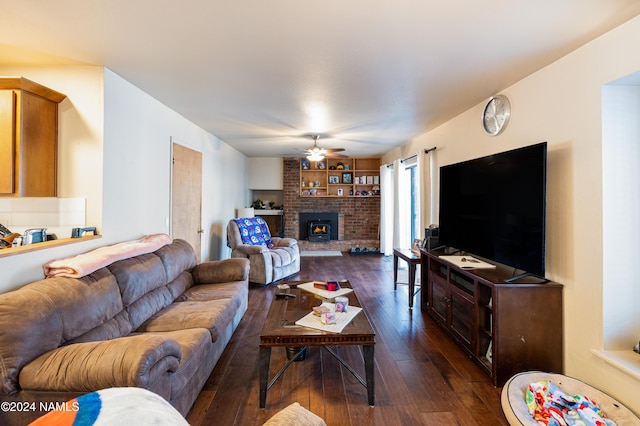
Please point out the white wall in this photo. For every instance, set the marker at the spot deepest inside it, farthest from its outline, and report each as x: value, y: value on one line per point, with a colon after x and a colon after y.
x: 561, y: 104
x: 139, y: 131
x: 115, y: 150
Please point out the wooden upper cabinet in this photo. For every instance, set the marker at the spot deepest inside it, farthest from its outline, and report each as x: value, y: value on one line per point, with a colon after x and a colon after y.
x: 28, y: 138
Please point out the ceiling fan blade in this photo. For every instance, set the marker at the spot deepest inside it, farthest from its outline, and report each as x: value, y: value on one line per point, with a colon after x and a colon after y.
x: 334, y: 149
x: 335, y: 155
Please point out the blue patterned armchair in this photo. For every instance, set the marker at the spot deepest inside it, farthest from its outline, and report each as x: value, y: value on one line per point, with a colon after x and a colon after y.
x: 270, y: 258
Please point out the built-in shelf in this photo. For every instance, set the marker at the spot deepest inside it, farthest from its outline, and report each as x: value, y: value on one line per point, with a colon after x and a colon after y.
x: 350, y: 177
x: 12, y: 251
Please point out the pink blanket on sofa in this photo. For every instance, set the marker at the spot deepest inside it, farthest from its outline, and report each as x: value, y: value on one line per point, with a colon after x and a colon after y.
x: 86, y: 263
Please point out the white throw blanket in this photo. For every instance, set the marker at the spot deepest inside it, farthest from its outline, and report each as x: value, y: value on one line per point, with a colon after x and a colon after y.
x: 86, y: 263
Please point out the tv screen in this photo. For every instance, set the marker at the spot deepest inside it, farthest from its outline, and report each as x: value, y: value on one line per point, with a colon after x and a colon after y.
x: 494, y: 207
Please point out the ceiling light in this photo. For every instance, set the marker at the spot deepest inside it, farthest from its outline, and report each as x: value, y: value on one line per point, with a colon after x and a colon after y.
x: 316, y: 156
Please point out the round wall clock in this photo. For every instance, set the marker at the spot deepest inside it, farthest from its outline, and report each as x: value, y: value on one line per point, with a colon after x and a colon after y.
x: 495, y: 116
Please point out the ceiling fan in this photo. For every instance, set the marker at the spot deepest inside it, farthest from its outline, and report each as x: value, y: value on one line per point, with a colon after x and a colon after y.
x: 315, y: 153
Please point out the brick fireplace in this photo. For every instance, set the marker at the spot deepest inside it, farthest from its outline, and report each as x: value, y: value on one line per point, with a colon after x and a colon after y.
x: 358, y: 217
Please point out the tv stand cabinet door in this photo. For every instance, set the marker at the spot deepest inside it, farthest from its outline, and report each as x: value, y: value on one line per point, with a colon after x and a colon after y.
x: 528, y: 330
x: 462, y: 312
x: 440, y: 300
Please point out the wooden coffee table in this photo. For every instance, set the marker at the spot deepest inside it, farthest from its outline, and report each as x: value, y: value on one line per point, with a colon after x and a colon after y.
x: 280, y: 330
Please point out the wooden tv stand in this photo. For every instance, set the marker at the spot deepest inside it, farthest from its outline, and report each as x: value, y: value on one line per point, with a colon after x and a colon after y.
x: 506, y: 328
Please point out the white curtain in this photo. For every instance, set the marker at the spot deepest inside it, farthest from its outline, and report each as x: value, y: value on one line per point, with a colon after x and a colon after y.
x: 424, y: 191
x: 401, y: 206
x: 386, y: 210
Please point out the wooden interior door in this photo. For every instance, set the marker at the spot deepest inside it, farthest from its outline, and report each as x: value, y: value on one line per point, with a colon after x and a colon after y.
x: 186, y: 196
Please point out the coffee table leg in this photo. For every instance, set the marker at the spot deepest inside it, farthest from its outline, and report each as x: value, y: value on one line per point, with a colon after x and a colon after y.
x: 264, y: 360
x: 367, y: 351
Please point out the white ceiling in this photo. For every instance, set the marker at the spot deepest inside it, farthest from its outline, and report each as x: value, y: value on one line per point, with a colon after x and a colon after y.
x: 370, y: 75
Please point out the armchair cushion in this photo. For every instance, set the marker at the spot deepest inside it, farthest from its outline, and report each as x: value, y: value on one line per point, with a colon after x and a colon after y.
x: 254, y: 231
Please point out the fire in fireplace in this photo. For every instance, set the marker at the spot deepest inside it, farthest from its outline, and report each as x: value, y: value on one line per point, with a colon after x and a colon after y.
x: 319, y: 230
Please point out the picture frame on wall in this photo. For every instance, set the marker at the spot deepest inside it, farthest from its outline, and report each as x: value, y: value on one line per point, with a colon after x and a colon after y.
x: 346, y: 178
x: 305, y: 164
x: 334, y: 179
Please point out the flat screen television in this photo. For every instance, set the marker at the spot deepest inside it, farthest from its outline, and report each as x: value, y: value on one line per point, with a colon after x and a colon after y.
x: 494, y: 207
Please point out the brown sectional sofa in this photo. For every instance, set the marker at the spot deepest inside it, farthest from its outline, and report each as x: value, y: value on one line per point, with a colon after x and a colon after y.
x: 157, y: 321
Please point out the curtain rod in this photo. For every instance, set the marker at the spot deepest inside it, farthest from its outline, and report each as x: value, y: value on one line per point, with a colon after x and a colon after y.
x: 426, y: 151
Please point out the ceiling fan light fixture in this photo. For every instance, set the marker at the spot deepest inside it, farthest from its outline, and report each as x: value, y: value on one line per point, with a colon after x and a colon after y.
x: 315, y: 156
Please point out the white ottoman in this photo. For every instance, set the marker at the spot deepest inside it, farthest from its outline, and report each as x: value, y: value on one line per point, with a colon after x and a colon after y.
x: 515, y: 407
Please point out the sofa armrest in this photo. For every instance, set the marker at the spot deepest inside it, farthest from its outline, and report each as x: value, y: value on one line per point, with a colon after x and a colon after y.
x: 221, y: 271
x: 284, y: 242
x: 248, y: 249
x: 132, y: 361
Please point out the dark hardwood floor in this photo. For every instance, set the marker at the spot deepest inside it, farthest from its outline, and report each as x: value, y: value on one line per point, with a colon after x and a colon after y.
x: 421, y: 376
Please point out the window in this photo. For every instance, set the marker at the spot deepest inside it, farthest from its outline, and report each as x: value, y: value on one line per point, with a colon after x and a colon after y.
x: 411, y: 166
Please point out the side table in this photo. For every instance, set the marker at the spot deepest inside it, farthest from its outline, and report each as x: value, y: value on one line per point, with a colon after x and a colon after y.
x: 412, y: 260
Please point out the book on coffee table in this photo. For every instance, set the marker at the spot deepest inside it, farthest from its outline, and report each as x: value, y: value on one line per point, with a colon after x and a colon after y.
x: 342, y: 319
x: 324, y: 294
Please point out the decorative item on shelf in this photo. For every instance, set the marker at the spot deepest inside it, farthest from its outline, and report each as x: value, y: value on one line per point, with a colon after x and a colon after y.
x: 376, y: 190
x: 306, y: 165
x: 346, y: 167
x: 322, y: 164
x: 313, y: 191
x: 334, y: 179
x: 417, y: 245
x: 258, y: 204
x: 340, y: 166
x: 340, y: 192
x: 346, y: 178
x: 318, y: 183
x: 332, y: 167
x: 376, y: 180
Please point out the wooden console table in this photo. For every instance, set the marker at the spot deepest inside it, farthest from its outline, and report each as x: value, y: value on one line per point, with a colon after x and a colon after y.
x: 412, y: 260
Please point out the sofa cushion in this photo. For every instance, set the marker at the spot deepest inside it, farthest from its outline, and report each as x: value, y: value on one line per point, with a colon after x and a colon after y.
x: 43, y: 315
x: 118, y: 326
x: 177, y: 258
x: 283, y: 256
x: 254, y: 231
x: 138, y: 276
x: 237, y: 291
x: 213, y: 315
